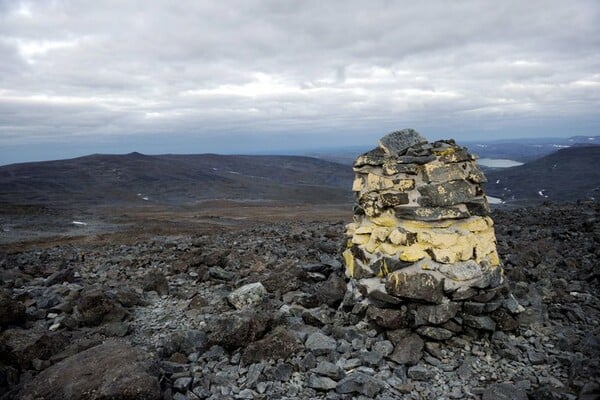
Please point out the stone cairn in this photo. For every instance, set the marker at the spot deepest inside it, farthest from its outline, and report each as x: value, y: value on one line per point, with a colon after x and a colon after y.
x: 422, y: 249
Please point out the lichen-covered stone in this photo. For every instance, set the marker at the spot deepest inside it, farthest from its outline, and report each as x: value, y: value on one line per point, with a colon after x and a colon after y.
x: 438, y: 314
x: 437, y: 172
x: 432, y: 213
x: 446, y: 194
x: 415, y: 285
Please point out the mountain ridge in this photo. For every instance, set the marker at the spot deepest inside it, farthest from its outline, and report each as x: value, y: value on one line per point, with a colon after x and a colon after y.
x: 566, y: 175
x: 174, y: 179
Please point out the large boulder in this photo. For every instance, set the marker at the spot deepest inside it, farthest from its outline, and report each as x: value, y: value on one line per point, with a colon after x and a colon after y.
x: 238, y: 328
x: 12, y: 312
x: 111, y: 370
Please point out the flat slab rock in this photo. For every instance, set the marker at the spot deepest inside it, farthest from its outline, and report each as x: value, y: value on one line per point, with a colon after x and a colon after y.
x: 396, y: 143
x: 111, y: 370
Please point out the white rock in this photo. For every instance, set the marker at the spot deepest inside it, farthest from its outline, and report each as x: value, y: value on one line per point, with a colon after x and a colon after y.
x: 247, y: 296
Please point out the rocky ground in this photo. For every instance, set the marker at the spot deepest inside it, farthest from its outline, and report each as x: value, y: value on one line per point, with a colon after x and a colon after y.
x: 261, y: 313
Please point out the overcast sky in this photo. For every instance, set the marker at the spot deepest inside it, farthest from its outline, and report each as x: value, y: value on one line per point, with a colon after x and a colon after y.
x: 80, y: 77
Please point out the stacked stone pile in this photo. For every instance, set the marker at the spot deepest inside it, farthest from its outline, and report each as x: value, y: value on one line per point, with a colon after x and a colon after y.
x: 422, y: 241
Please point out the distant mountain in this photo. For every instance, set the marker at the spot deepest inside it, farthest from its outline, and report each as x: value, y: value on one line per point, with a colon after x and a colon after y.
x: 567, y: 174
x: 525, y: 150
x: 522, y: 150
x: 174, y: 179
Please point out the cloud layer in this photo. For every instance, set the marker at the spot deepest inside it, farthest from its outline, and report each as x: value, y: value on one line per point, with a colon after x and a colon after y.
x: 323, y: 70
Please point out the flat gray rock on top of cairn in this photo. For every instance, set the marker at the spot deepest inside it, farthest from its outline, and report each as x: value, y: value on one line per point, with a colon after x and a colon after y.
x: 396, y: 143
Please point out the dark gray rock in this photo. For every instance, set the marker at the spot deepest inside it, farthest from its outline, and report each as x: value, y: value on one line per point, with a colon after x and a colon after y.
x: 536, y: 357
x: 280, y: 343
x: 95, y: 307
x: 182, y: 384
x: 409, y: 350
x: 384, y: 347
x: 116, y: 329
x: 110, y: 371
x: 358, y: 383
x: 373, y: 158
x: 438, y: 314
x: 330, y: 370
x: 318, y: 316
x: 396, y: 143
x: 393, y: 166
x: 419, y: 160
x: 389, y: 318
x: 219, y: 273
x: 478, y: 206
x: 419, y: 373
x: 60, y: 276
x: 12, y: 312
x: 431, y: 213
x: 321, y: 382
x: 320, y: 344
x: 416, y: 285
x: 155, y: 281
x: 434, y: 332
x: 254, y: 372
x: 238, y: 328
x: 393, y: 199
x: 186, y: 342
x: 482, y: 322
x: 371, y: 358
x: 20, y: 347
x: 503, y: 391
x: 504, y: 320
x: 331, y: 291
x: 279, y: 372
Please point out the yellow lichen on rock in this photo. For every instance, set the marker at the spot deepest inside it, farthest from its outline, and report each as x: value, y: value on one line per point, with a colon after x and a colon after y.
x: 437, y: 238
x: 364, y: 230
x: 397, y: 237
x: 349, y: 261
x: 361, y: 239
x: 390, y: 249
x: 404, y: 184
x: 381, y: 233
x: 386, y: 219
x: 412, y: 253
x: 376, y: 183
x: 474, y: 224
x: 372, y: 244
x: 357, y: 184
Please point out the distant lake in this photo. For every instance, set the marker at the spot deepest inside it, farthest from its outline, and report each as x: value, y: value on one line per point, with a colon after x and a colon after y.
x: 498, y: 163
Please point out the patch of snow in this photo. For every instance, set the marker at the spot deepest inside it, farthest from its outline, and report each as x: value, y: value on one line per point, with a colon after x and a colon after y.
x: 139, y: 194
x: 215, y: 169
x: 79, y: 223
x: 234, y: 172
x: 145, y: 198
x: 590, y: 138
x: 498, y: 163
x: 497, y: 181
x: 494, y: 200
x: 561, y: 146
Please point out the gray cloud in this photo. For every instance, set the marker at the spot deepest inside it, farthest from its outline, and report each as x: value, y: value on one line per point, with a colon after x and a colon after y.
x: 152, y: 70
